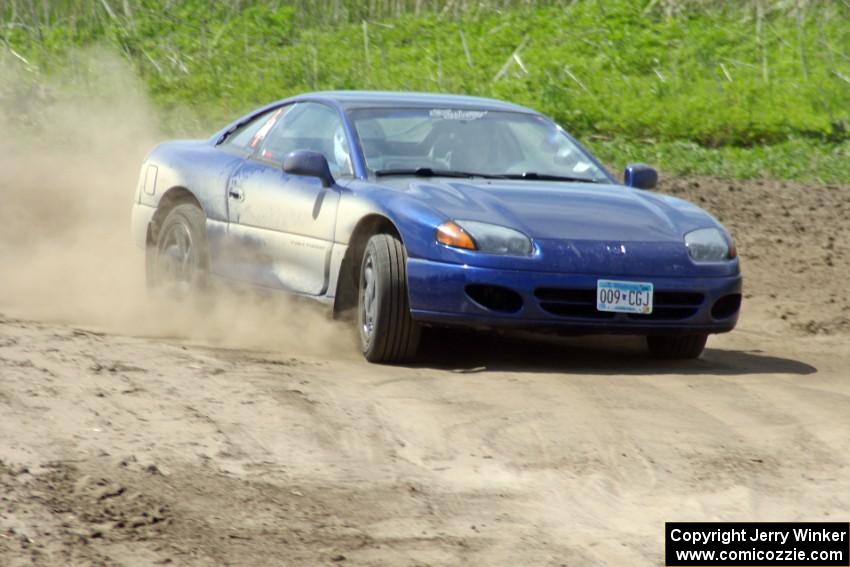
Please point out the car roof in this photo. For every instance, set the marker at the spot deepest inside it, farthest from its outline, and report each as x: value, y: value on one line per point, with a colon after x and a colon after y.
x: 389, y: 99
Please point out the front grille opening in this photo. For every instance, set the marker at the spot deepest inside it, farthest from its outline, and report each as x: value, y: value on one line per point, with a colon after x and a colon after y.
x: 495, y: 298
x: 726, y: 306
x: 570, y: 302
x: 566, y: 295
x: 672, y: 306
x: 572, y: 310
x: 678, y: 298
x: 665, y: 314
x: 577, y: 302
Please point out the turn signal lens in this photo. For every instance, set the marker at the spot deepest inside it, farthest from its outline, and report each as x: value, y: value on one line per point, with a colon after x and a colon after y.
x: 451, y: 234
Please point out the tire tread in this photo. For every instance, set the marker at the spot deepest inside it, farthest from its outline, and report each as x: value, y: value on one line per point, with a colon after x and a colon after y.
x: 399, y: 342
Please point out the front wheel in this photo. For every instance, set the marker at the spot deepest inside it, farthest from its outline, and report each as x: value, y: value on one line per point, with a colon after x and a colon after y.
x: 675, y: 347
x: 388, y: 334
x: 177, y: 261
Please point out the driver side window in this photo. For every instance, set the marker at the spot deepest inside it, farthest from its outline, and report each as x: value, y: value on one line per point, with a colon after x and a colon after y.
x: 248, y: 136
x: 309, y: 126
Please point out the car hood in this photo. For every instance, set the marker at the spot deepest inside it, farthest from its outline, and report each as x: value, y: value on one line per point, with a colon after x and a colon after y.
x: 561, y: 211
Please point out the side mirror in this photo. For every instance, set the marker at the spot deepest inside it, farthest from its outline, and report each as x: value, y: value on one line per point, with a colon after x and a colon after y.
x: 309, y: 163
x: 640, y: 176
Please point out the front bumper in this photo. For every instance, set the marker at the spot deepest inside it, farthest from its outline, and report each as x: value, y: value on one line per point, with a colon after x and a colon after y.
x: 439, y: 293
x: 140, y: 218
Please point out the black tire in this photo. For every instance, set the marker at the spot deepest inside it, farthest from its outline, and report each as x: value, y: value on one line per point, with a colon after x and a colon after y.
x: 178, y: 260
x: 387, y: 332
x: 676, y: 347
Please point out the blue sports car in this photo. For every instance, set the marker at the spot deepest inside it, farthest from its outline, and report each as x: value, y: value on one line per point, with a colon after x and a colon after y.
x: 423, y: 210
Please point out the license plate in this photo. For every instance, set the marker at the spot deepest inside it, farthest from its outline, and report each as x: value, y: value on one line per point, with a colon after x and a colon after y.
x: 624, y: 297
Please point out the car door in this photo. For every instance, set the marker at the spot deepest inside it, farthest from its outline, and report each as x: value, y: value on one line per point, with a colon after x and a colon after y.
x: 281, y: 226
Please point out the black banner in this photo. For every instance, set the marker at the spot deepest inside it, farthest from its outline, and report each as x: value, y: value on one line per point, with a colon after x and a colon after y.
x: 761, y: 544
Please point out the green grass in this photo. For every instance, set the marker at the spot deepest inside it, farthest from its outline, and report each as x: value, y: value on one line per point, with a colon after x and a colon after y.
x: 755, y: 88
x: 798, y: 159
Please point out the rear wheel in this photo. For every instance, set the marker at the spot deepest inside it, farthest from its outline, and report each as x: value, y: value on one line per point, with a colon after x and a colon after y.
x: 388, y: 334
x: 674, y: 347
x: 177, y: 261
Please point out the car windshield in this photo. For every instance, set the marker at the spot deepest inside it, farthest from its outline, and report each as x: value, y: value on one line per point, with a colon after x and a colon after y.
x: 464, y: 142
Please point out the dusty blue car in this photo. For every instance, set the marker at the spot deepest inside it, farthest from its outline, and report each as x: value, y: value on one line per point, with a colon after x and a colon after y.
x: 423, y: 210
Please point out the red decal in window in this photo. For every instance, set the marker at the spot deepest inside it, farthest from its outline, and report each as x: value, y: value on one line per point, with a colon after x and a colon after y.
x: 262, y: 132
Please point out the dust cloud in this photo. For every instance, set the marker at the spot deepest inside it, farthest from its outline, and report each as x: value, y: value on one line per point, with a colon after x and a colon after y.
x: 70, y: 153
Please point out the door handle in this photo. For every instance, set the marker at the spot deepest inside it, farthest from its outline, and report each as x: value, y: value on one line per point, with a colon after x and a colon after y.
x: 236, y: 193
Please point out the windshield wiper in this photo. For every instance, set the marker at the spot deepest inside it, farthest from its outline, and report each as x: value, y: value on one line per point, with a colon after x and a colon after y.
x: 429, y: 172
x: 530, y: 175
x: 533, y: 175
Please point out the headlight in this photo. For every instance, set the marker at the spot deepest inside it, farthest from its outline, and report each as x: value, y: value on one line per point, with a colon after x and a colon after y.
x: 484, y: 237
x: 709, y: 245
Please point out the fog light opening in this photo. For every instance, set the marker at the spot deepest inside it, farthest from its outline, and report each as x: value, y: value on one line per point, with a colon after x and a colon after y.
x: 495, y: 298
x: 726, y: 306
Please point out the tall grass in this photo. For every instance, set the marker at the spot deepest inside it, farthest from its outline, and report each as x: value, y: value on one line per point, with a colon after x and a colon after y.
x: 622, y: 74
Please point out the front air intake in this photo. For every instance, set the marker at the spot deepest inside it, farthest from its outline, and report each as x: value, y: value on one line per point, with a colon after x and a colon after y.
x: 726, y: 306
x: 581, y: 303
x: 495, y: 298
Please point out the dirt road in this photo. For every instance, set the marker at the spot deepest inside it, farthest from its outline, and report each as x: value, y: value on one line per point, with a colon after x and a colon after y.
x: 134, y: 445
x: 134, y: 451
